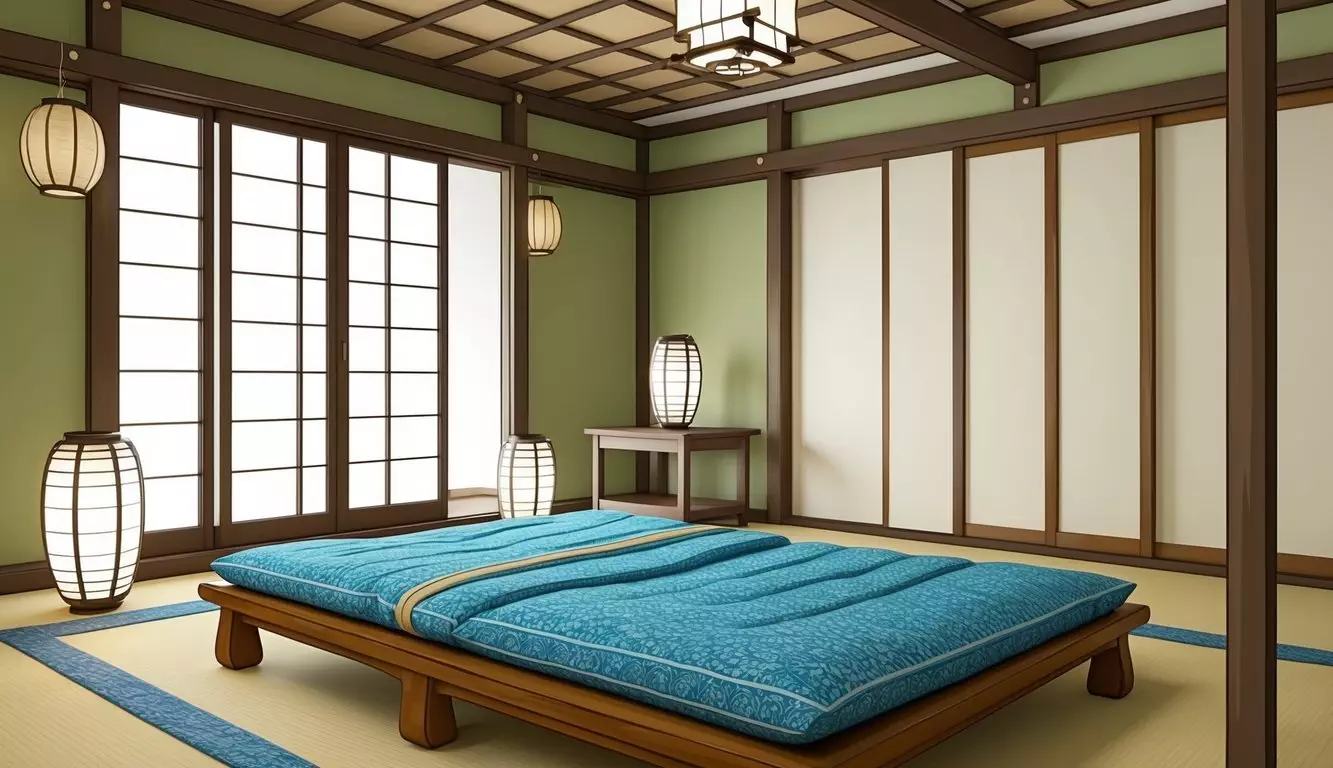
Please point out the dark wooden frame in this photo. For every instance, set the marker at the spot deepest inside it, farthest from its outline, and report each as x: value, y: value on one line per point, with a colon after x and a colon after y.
x: 432, y: 675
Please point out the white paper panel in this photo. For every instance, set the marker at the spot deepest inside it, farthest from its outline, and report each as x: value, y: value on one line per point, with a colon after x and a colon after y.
x: 837, y: 397
x: 1099, y: 337
x: 1305, y: 318
x: 921, y: 342
x: 1191, y: 334
x: 1006, y: 340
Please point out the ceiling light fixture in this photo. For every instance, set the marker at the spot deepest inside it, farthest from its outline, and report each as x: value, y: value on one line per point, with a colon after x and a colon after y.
x: 735, y: 38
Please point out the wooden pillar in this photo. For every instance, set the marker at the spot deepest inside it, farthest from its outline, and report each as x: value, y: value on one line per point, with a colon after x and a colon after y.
x: 1251, y: 384
x: 779, y: 281
x: 102, y: 235
x: 643, y: 340
x: 515, y: 131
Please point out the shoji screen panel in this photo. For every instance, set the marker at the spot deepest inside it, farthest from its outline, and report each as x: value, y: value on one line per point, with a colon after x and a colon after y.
x: 396, y: 220
x: 1099, y: 336
x: 1006, y: 340
x: 1191, y: 334
x: 837, y: 398
x: 920, y: 264
x: 1305, y: 320
x: 165, y: 280
x: 273, y: 321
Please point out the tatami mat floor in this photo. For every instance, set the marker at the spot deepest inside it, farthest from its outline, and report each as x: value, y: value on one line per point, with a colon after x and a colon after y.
x: 335, y: 712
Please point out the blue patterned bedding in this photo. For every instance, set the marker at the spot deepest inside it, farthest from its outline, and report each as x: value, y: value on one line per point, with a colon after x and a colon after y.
x: 787, y: 642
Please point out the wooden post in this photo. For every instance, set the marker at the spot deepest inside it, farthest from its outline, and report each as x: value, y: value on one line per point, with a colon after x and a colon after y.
x: 1251, y: 384
x: 779, y: 281
x: 102, y: 222
x: 643, y: 340
x: 514, y: 130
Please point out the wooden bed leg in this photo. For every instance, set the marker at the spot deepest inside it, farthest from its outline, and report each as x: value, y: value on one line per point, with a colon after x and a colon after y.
x: 237, y: 645
x: 1112, y: 672
x: 426, y: 716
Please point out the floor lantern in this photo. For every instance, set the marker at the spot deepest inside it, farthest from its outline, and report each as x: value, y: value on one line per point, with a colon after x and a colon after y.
x: 526, y: 481
x: 92, y: 518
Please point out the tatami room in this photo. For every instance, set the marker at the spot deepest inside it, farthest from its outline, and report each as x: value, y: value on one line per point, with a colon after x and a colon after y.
x: 685, y: 383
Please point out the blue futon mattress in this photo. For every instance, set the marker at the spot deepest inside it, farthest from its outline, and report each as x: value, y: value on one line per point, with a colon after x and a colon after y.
x: 746, y: 630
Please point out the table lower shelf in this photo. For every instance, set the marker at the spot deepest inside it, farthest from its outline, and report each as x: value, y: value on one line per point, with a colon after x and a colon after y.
x: 664, y: 505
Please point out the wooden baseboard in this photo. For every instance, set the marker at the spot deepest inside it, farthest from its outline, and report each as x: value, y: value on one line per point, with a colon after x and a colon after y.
x: 1170, y: 557
x: 1189, y: 553
x: 1113, y: 545
x: 1004, y: 533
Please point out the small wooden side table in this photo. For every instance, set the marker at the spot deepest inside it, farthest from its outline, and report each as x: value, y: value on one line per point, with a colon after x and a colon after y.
x: 682, y: 442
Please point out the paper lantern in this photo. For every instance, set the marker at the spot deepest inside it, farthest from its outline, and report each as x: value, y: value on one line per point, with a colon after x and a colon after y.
x: 526, y: 482
x: 737, y: 37
x: 544, y: 225
x: 676, y: 377
x: 62, y: 149
x: 92, y: 518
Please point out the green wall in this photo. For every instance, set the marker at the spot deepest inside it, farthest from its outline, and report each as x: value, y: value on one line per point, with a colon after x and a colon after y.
x: 1302, y: 33
x: 52, y: 19
x: 581, y: 343
x: 982, y: 95
x: 576, y: 141
x: 188, y: 47
x: 708, y: 279
x: 41, y: 310
x: 709, y: 146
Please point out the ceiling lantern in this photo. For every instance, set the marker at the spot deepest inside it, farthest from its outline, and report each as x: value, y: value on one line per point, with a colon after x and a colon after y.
x: 544, y: 225
x: 62, y: 148
x: 737, y: 37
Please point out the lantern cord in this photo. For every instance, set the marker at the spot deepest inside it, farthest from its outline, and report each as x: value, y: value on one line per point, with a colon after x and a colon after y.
x: 60, y: 73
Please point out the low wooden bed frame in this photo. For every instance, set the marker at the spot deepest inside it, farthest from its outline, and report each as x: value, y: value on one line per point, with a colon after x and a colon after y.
x: 432, y: 675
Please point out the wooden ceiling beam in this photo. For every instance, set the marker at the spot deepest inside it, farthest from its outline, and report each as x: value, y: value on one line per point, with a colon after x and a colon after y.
x: 415, y: 24
x: 954, y: 34
x: 536, y: 29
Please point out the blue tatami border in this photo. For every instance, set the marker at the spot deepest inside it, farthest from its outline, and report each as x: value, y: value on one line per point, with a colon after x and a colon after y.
x: 202, y: 730
x: 238, y: 747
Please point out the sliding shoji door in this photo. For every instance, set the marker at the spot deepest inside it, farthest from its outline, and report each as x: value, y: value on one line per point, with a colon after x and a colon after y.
x: 273, y: 299
x: 1006, y: 342
x: 1099, y: 363
x: 1305, y: 338
x: 920, y: 253
x: 837, y: 361
x: 395, y: 215
x: 166, y: 401
x: 1191, y: 338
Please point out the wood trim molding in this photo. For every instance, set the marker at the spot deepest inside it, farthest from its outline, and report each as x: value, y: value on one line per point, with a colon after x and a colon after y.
x: 866, y: 151
x: 1004, y: 533
x: 1052, y: 320
x: 960, y: 272
x: 1189, y: 553
x: 1176, y: 563
x: 643, y: 339
x: 515, y: 131
x: 1147, y: 336
x: 886, y: 442
x: 778, y: 431
x: 1114, y: 545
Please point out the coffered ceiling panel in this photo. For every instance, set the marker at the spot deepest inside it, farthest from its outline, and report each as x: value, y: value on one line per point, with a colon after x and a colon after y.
x: 613, y: 57
x: 351, y: 20
x: 485, y: 22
